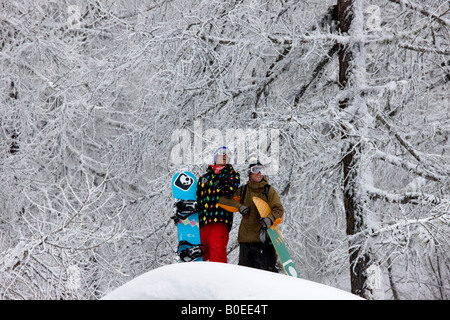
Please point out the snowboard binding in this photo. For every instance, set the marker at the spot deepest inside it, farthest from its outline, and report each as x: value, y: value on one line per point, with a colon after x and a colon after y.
x: 190, y: 252
x: 183, y: 209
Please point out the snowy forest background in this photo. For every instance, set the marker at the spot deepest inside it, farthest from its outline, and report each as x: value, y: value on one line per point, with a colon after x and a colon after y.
x: 93, y: 94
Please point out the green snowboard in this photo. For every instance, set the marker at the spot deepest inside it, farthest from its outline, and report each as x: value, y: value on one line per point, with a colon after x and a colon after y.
x: 277, y: 239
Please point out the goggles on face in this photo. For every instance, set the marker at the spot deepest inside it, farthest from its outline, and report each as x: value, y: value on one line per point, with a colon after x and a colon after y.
x: 258, y: 169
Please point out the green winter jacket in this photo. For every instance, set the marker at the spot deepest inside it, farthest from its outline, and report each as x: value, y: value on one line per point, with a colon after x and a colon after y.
x: 250, y: 227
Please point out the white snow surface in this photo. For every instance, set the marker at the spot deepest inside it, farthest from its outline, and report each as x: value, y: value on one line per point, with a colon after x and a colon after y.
x: 220, y: 281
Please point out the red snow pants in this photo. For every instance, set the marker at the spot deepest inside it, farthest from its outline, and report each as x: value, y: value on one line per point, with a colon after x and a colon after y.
x: 215, y: 237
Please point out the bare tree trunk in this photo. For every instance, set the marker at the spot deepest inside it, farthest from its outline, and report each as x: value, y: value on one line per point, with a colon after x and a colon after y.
x: 14, y: 135
x: 392, y: 282
x: 359, y: 261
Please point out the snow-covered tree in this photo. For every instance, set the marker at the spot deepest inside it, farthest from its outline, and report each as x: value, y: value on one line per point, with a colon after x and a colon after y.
x: 103, y: 101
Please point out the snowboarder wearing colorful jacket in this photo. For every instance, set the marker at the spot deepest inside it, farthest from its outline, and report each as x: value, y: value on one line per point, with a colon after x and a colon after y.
x: 215, y: 222
x: 255, y: 247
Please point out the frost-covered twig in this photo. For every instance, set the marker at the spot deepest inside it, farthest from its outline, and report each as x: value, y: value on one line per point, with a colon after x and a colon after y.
x: 440, y: 217
x: 420, y: 9
x: 400, y: 139
x: 403, y: 198
x: 424, y: 49
x: 416, y: 168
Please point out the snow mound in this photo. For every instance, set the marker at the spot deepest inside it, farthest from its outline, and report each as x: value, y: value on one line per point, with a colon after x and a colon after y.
x: 220, y: 281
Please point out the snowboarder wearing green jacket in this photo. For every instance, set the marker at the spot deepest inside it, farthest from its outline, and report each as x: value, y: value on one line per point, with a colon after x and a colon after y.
x: 255, y: 247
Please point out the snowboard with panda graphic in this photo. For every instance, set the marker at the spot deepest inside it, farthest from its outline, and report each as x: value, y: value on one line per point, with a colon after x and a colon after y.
x: 184, y: 188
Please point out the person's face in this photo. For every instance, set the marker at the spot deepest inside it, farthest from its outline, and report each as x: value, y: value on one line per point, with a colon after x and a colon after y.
x: 257, y: 173
x: 223, y: 156
x: 222, y: 159
x: 256, y: 177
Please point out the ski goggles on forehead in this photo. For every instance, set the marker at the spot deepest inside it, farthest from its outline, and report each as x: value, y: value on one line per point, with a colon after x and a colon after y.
x: 223, y: 151
x: 258, y: 169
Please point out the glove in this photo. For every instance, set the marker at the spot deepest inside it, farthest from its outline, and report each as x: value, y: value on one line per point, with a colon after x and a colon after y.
x: 244, y: 210
x: 263, y: 236
x: 265, y: 223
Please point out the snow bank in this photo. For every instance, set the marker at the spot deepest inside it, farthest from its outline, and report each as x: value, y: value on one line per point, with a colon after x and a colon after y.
x: 219, y: 281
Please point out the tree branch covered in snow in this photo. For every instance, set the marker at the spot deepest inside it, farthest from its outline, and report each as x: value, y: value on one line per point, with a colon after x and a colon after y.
x: 95, y: 93
x: 419, y: 8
